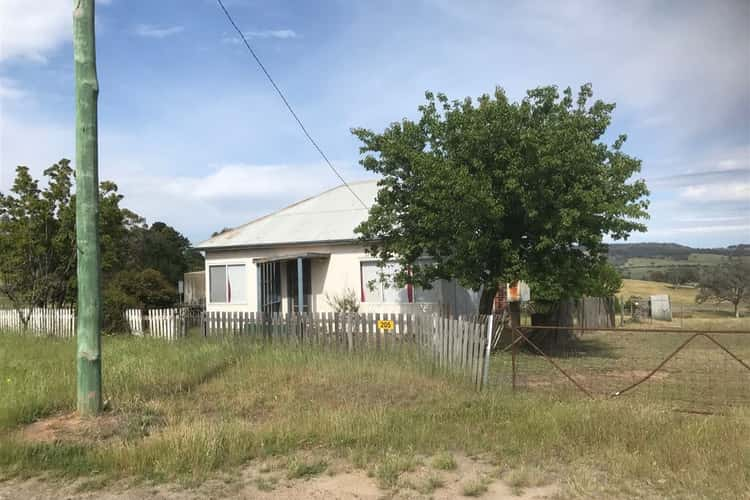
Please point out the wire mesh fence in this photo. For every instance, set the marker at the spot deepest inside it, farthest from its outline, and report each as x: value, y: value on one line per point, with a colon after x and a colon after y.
x: 688, y: 370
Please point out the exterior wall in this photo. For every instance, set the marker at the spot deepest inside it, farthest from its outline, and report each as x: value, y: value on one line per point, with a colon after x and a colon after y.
x: 332, y: 276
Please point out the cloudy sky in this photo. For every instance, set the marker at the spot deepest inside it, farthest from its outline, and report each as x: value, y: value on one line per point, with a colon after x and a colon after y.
x: 194, y: 135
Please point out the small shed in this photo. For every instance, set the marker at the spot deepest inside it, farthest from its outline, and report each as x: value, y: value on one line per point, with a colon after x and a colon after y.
x: 661, y: 307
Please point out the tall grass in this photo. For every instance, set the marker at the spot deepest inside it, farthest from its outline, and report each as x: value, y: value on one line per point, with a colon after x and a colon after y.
x: 218, y: 405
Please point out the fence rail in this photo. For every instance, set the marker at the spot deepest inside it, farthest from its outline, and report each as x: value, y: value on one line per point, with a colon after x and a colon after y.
x: 56, y: 322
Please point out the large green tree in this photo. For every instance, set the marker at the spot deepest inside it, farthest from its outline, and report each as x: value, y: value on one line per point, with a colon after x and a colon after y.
x: 37, y: 244
x: 491, y: 191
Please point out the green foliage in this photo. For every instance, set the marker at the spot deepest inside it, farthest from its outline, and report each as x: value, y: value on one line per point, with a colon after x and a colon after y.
x: 37, y: 238
x: 38, y: 245
x: 146, y: 289
x: 495, y: 191
x: 728, y: 282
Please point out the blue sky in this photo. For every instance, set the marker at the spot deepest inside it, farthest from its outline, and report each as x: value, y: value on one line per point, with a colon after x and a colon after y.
x: 194, y: 135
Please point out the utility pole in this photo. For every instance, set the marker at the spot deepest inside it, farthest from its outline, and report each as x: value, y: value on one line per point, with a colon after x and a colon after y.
x: 87, y: 211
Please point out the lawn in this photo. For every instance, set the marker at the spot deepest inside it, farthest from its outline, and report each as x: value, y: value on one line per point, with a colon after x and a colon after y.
x: 196, y: 410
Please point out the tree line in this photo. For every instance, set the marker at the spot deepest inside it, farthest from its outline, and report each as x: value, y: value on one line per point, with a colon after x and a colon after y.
x: 140, y: 263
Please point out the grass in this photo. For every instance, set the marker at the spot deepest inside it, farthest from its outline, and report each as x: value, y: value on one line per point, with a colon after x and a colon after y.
x: 299, y: 469
x: 444, y: 461
x: 430, y: 484
x: 200, y: 408
x: 700, y: 377
x: 474, y: 488
x: 391, y: 466
x: 644, y: 289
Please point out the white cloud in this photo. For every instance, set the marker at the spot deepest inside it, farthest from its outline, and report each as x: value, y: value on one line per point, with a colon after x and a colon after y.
x: 738, y: 191
x: 32, y: 31
x: 152, y: 31
x: 283, y: 34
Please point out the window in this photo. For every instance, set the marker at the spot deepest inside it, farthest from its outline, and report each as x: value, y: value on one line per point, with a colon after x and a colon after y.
x: 431, y: 296
x: 227, y: 284
x: 373, y: 288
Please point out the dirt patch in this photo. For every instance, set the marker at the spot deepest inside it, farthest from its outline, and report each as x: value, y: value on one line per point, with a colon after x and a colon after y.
x: 72, y: 428
x: 265, y: 481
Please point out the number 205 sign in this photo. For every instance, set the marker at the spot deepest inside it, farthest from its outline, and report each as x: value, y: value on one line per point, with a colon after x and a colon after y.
x: 385, y: 324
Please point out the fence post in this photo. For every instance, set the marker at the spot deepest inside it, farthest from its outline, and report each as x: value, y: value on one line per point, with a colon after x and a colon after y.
x: 486, y: 374
x: 349, y: 333
x: 514, y: 350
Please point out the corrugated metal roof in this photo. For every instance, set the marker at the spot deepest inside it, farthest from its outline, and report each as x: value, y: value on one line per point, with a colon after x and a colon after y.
x: 329, y: 216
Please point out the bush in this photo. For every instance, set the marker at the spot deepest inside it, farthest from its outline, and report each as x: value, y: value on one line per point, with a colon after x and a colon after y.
x: 145, y: 289
x: 346, y: 302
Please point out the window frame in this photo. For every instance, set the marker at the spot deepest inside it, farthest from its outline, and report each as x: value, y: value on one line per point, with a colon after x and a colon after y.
x: 227, y: 282
x: 408, y: 288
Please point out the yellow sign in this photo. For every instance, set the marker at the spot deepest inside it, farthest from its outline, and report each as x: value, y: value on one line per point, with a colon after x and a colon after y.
x: 385, y: 324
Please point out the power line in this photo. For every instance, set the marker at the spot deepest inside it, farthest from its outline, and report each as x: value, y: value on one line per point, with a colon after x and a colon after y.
x: 286, y: 103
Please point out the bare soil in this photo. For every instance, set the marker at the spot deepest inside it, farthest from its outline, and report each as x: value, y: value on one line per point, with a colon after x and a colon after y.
x: 259, y: 481
x: 71, y: 428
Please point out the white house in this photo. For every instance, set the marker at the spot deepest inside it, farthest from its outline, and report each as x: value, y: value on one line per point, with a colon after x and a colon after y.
x: 294, y: 259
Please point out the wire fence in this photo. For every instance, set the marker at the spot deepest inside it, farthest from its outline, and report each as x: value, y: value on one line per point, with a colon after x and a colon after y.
x: 694, y: 371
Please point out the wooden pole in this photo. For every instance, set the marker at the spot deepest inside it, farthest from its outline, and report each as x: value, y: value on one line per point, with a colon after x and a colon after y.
x: 87, y: 211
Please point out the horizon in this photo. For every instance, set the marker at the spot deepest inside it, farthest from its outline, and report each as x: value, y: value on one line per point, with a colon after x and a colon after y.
x: 194, y: 135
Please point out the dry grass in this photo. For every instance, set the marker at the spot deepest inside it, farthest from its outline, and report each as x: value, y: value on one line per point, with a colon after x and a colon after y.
x: 641, y: 288
x: 197, y: 409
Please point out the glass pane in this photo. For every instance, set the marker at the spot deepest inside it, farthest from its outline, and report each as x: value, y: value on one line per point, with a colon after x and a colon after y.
x: 217, y: 276
x: 371, y: 282
x: 424, y: 296
x: 392, y: 294
x: 236, y: 284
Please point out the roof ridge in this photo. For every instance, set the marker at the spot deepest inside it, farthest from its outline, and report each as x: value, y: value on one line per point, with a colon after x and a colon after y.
x: 280, y: 210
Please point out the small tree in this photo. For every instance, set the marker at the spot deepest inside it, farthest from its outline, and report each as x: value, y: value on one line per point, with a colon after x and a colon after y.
x: 728, y: 282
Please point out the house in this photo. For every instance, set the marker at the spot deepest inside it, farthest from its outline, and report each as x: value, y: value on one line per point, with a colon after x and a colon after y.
x: 297, y: 258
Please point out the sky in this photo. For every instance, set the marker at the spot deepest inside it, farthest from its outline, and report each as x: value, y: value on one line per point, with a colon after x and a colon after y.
x: 194, y: 135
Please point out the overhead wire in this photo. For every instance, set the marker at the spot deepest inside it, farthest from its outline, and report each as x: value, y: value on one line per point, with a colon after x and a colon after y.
x: 286, y: 103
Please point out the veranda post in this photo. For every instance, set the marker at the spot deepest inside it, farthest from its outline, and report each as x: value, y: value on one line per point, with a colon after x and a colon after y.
x: 87, y: 211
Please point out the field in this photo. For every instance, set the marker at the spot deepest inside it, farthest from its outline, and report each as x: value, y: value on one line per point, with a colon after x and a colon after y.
x: 641, y: 267
x: 641, y: 288
x: 686, y: 313
x: 225, y: 418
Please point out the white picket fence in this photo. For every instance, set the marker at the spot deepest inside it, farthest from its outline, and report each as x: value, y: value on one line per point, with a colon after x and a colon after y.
x: 161, y: 323
x: 134, y: 318
x: 41, y: 321
x: 61, y: 322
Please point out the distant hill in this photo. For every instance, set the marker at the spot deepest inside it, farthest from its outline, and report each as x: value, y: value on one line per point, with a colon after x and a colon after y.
x: 619, y: 253
x: 669, y: 262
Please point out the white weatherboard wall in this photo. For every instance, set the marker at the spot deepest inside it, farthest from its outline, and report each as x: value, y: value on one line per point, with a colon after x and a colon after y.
x: 332, y: 275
